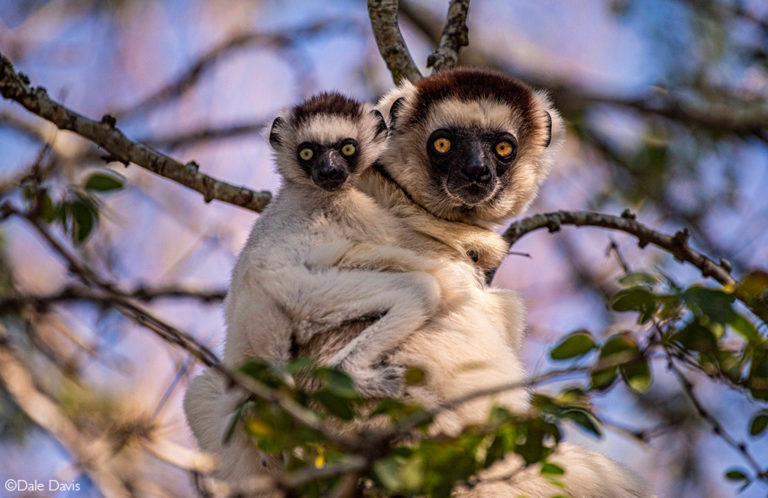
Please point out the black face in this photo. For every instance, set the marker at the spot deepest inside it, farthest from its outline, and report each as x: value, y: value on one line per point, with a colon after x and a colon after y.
x: 329, y: 166
x: 469, y: 161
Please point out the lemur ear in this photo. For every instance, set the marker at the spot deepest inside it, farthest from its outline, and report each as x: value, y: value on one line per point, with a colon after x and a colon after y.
x: 381, y: 127
x: 549, y: 129
x: 274, y: 133
x: 395, y: 109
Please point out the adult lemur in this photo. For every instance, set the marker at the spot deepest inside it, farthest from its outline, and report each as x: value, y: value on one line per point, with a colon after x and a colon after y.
x: 473, y: 147
x: 468, y: 149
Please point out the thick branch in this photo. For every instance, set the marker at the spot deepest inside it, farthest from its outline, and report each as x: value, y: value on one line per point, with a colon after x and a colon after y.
x: 389, y: 39
x: 676, y: 244
x: 14, y: 86
x: 455, y: 35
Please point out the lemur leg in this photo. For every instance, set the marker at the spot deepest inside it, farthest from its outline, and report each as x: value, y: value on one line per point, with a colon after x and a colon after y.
x: 318, y: 301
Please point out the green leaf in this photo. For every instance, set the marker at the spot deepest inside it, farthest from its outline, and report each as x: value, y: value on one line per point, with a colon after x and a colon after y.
x: 415, y: 376
x: 635, y: 299
x: 618, y: 350
x: 336, y: 405
x: 272, y: 376
x: 298, y: 365
x: 696, y: 337
x: 736, y: 474
x: 400, y: 474
x: 83, y: 221
x: 574, y: 345
x: 758, y: 374
x: 104, y: 181
x: 758, y: 424
x: 637, y: 375
x: 742, y: 326
x: 715, y: 304
x: 639, y: 278
x: 583, y: 419
x: 337, y: 382
x: 552, y: 469
x: 48, y: 211
x: 602, y: 379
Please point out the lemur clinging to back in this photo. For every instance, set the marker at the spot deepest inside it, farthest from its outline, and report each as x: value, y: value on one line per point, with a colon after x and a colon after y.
x: 323, y: 255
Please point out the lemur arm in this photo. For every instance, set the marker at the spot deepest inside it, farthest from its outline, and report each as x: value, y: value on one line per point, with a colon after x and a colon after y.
x: 321, y: 300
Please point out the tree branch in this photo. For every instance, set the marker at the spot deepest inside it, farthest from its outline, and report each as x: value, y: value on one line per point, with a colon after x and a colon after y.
x: 14, y: 86
x: 455, y: 35
x: 676, y: 244
x: 78, y: 293
x: 389, y: 39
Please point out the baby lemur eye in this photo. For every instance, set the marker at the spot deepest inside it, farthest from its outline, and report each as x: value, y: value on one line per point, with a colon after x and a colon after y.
x: 306, y: 153
x: 442, y: 145
x: 348, y: 149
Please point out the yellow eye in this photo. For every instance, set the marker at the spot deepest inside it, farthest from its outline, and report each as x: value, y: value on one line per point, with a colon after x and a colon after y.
x: 348, y: 149
x: 504, y: 149
x: 442, y: 145
x: 306, y: 154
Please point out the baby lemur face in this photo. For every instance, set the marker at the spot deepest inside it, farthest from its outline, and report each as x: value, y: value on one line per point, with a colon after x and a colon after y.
x: 327, y: 140
x: 470, y: 145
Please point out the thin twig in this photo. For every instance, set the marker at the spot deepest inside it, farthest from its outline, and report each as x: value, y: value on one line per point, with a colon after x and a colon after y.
x: 717, y: 427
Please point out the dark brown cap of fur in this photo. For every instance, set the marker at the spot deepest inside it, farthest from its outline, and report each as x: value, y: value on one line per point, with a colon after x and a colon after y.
x: 471, y: 84
x: 327, y: 103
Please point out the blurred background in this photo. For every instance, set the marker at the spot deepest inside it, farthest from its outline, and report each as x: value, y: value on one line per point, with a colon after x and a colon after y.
x: 667, y: 110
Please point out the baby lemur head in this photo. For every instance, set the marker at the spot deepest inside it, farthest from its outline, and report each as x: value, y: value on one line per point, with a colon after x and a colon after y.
x: 470, y: 145
x: 327, y: 140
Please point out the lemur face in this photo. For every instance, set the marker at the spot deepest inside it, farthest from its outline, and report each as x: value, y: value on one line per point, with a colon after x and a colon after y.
x: 470, y: 160
x: 470, y: 145
x: 327, y: 140
x: 329, y: 165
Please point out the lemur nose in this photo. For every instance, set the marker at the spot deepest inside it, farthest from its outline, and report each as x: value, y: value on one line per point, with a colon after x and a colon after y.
x: 476, y: 171
x: 331, y: 172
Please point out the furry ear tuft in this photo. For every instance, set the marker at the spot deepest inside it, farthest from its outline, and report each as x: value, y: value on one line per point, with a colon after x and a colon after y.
x: 549, y: 129
x: 274, y: 133
x: 381, y: 126
x: 395, y: 109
